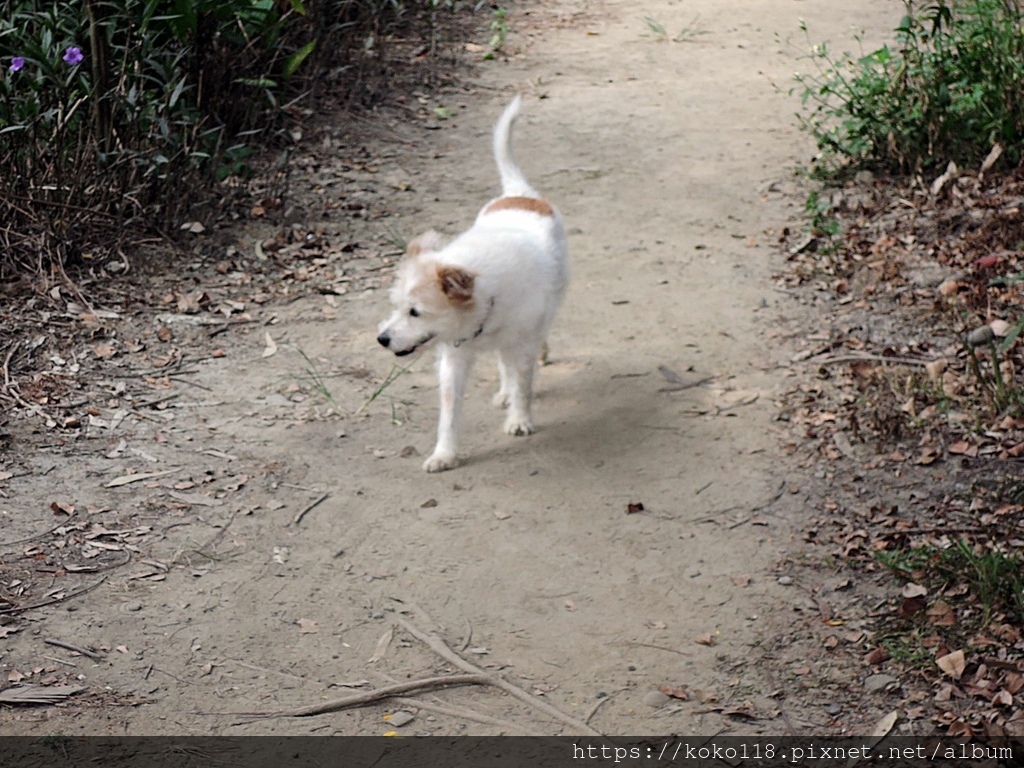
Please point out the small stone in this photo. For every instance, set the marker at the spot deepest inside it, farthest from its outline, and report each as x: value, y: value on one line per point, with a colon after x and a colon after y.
x: 834, y: 709
x: 401, y: 718
x: 876, y: 683
x: 785, y: 580
x: 134, y: 607
x: 656, y: 699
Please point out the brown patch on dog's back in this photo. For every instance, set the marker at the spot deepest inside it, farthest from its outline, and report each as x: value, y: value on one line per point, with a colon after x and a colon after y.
x: 532, y: 204
x: 457, y: 284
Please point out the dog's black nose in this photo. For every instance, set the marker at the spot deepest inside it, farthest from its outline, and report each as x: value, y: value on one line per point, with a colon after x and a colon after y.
x: 384, y: 340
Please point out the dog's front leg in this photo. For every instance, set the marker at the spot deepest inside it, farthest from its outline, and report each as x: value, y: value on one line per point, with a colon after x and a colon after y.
x: 453, y: 371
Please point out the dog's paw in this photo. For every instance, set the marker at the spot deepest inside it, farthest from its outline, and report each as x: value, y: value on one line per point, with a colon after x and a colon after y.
x: 545, y: 353
x: 500, y: 400
x: 518, y: 426
x: 439, y: 462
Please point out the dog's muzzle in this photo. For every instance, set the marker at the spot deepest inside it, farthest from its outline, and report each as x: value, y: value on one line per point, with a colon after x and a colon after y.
x: 384, y: 339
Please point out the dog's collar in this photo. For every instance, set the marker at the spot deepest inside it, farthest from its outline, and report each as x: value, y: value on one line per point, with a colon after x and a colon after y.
x: 480, y: 330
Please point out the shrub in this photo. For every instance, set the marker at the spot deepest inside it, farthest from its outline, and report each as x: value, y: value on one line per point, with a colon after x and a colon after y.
x: 115, y: 112
x: 950, y: 88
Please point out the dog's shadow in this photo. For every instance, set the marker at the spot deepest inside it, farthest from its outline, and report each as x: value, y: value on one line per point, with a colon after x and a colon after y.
x: 596, y: 416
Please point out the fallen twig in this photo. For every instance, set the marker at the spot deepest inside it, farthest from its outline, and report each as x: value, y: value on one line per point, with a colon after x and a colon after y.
x: 372, y: 697
x: 677, y: 383
x: 38, y: 694
x: 840, y: 359
x: 657, y: 647
x: 157, y: 401
x: 597, y: 706
x: 464, y: 714
x: 117, y: 482
x: 437, y: 645
x: 71, y: 647
x: 778, y: 495
x: 5, y: 545
x: 52, y: 600
x: 309, y: 507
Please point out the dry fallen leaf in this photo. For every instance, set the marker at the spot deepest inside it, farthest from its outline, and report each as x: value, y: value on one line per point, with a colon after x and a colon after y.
x: 913, y: 590
x: 675, y: 691
x: 382, y: 646
x: 271, y: 345
x: 885, y: 724
x: 62, y: 508
x: 961, y: 447
x: 953, y: 664
x: 877, y: 656
x: 1002, y: 699
x: 941, y: 615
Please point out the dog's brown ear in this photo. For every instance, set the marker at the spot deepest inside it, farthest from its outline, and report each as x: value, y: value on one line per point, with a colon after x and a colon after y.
x: 456, y: 283
x: 428, y: 242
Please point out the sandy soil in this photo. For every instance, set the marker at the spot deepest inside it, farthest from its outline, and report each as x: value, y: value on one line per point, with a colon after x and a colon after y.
x: 671, y: 162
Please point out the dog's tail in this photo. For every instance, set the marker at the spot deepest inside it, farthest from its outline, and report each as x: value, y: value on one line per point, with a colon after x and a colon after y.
x: 513, y: 183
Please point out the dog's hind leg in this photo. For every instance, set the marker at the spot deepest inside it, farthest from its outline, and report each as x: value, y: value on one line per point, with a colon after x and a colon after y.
x: 453, y: 371
x: 545, y: 353
x: 520, y: 366
x: 500, y: 399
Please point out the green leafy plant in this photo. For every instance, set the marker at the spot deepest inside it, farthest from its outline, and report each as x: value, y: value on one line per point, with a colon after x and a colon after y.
x: 499, y: 32
x: 820, y: 215
x: 656, y: 27
x: 1004, y: 393
x: 689, y: 32
x: 116, y: 115
x: 396, y: 372
x: 317, y: 381
x: 950, y: 87
x: 994, y: 578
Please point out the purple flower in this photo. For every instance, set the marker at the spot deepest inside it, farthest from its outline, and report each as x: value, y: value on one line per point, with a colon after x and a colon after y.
x: 17, y: 62
x: 73, y: 55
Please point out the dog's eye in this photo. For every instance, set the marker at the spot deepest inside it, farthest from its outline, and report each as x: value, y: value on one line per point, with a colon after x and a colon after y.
x: 414, y: 312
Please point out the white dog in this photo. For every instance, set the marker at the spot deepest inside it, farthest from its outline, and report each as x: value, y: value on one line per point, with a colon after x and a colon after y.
x: 495, y: 287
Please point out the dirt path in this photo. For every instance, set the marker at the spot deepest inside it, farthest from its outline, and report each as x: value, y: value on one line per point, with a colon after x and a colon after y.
x: 670, y: 161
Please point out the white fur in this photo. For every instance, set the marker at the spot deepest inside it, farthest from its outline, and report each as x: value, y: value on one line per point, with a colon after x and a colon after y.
x: 496, y: 286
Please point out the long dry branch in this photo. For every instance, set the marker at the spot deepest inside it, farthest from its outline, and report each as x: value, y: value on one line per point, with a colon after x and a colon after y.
x: 439, y: 647
x: 372, y: 697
